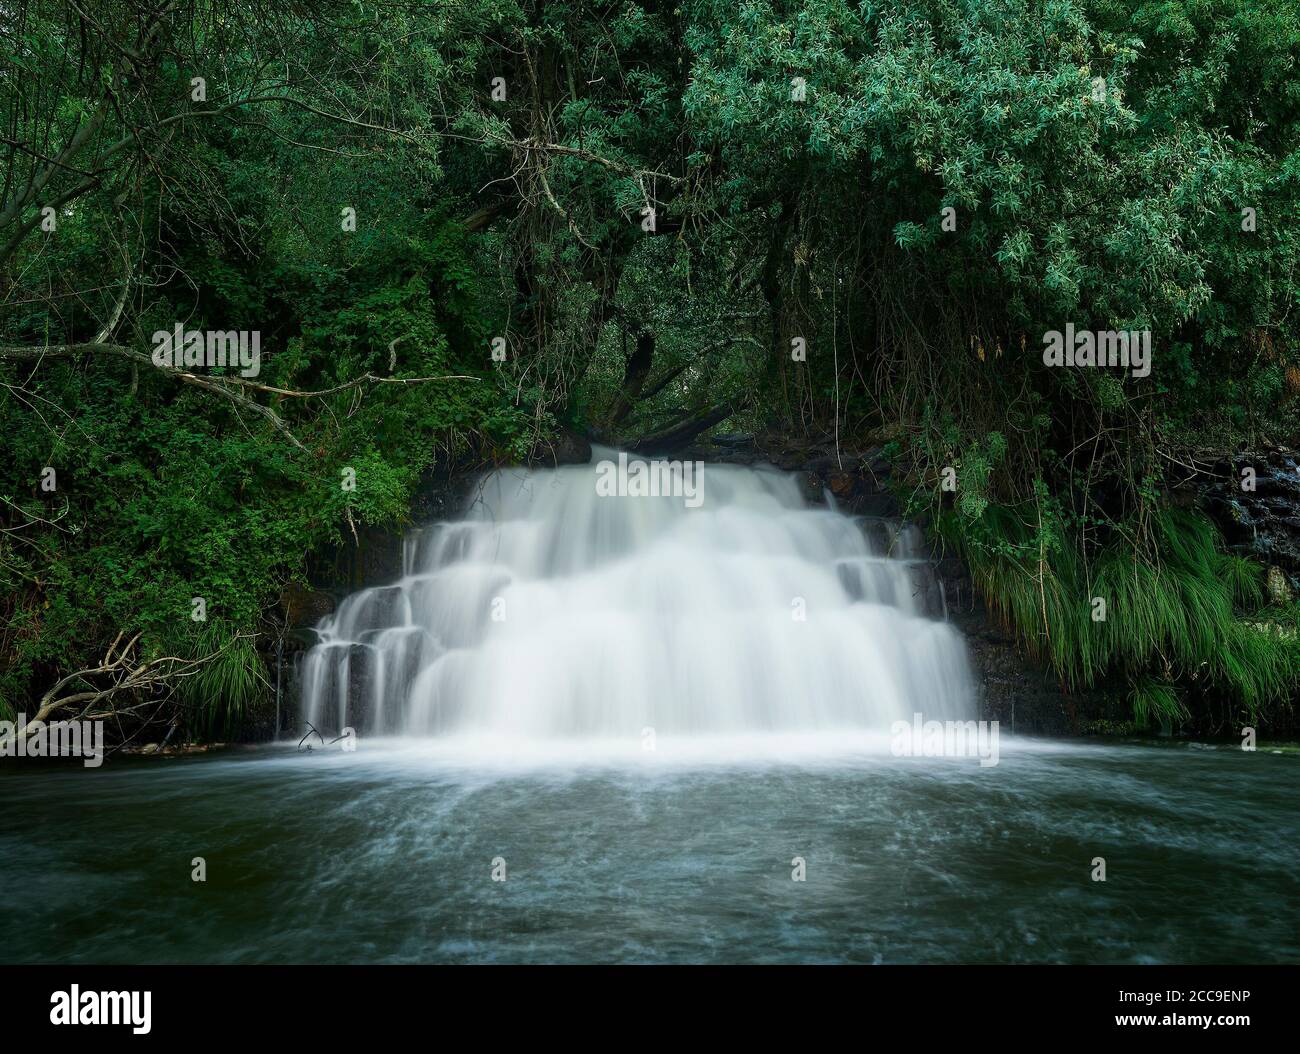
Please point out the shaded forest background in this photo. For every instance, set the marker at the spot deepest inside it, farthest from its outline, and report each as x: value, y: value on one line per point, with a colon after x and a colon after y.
x: 643, y: 209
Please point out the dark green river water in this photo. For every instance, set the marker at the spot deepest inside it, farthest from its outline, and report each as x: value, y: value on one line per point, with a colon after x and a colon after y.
x: 386, y: 855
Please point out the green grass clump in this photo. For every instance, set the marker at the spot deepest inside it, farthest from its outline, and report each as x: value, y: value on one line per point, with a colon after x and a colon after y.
x: 1178, y: 611
x: 224, y: 693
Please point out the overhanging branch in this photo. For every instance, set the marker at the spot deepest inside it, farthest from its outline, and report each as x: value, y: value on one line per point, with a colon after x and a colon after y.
x: 231, y: 388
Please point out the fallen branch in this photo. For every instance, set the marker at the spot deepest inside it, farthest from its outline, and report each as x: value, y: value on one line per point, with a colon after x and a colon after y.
x: 683, y: 431
x: 119, y: 673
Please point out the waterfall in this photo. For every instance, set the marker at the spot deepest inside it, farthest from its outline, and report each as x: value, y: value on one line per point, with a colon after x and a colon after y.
x: 554, y: 609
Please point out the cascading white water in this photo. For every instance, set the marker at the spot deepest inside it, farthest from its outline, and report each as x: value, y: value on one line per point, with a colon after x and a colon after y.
x: 552, y: 611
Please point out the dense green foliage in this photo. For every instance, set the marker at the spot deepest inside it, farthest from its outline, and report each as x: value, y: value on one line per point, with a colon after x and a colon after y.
x: 1171, y: 614
x: 666, y: 196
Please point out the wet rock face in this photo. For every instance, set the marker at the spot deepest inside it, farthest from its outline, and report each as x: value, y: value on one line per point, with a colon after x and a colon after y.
x: 564, y: 448
x: 1279, y: 590
x: 303, y: 606
x: 1263, y: 522
x: 857, y: 481
x: 1023, y: 696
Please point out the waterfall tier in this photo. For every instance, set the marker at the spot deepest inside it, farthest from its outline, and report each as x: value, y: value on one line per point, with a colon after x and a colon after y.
x: 554, y: 610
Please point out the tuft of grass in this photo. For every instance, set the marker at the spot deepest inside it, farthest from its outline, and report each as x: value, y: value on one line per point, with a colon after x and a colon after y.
x: 226, y: 691
x: 1176, y: 608
x: 1155, y: 703
x: 1245, y: 579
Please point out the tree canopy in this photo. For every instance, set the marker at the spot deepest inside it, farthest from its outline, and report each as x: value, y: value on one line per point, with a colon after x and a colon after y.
x: 458, y: 228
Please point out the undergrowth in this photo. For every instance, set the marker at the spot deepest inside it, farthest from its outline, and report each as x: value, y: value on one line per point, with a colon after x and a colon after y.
x: 1167, y: 621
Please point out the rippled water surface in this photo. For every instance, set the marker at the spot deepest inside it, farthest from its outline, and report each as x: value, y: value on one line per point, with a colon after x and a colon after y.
x: 385, y: 855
